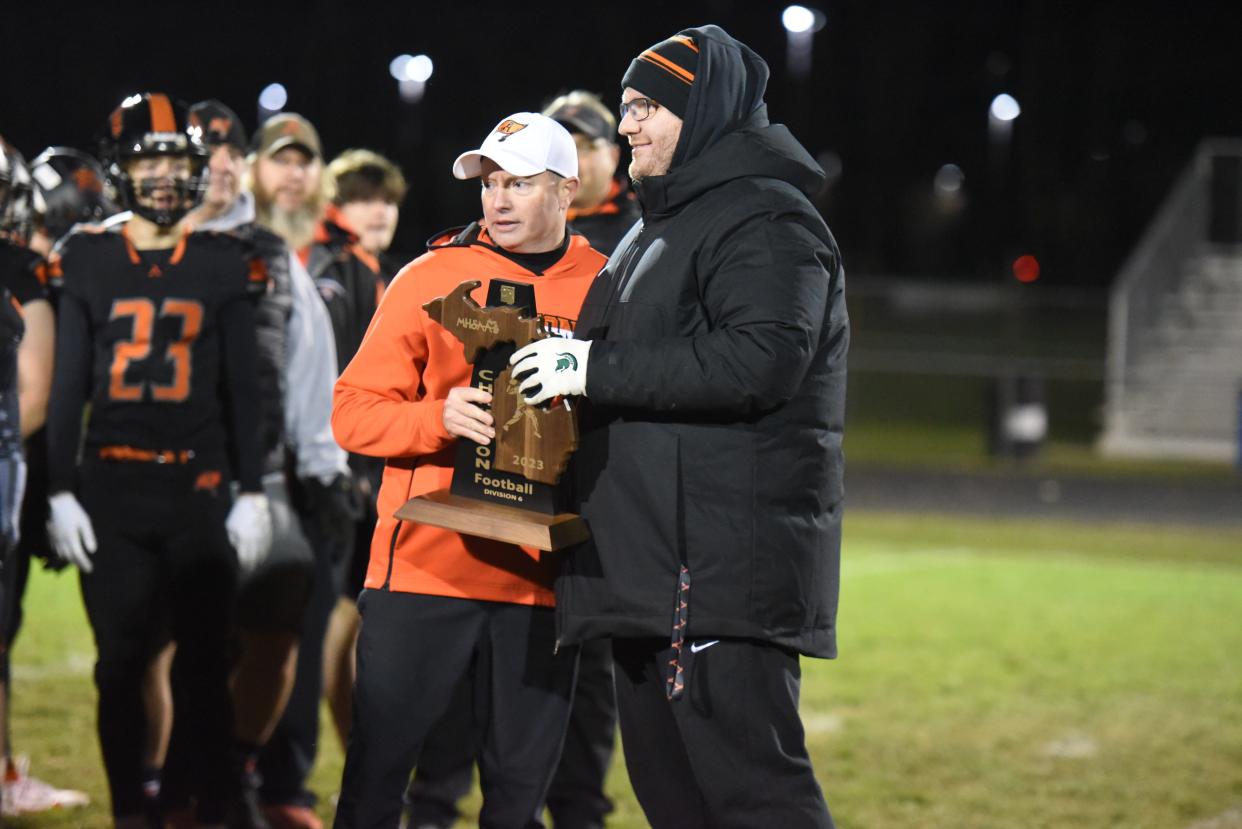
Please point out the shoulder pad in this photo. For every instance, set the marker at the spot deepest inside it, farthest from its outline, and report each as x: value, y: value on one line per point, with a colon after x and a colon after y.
x: 87, y: 233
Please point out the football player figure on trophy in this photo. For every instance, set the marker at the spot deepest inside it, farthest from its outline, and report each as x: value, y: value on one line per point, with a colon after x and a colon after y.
x: 506, y: 490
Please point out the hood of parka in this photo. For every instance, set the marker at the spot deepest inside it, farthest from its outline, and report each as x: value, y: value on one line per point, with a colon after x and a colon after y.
x: 726, y: 133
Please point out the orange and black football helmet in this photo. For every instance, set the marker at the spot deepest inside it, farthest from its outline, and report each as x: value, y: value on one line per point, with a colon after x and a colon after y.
x: 153, y: 124
x: 16, y: 194
x: 73, y: 189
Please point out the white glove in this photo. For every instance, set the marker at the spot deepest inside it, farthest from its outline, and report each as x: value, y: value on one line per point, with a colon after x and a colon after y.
x: 250, y: 528
x: 70, y: 531
x: 555, y: 366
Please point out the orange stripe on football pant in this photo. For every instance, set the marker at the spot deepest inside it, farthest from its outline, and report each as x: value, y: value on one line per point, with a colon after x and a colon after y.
x: 685, y: 41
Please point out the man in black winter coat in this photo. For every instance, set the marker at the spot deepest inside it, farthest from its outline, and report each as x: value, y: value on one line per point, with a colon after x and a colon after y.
x: 711, y: 353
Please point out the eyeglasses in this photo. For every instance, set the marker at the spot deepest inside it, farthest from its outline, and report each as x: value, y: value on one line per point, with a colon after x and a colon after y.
x: 639, y: 108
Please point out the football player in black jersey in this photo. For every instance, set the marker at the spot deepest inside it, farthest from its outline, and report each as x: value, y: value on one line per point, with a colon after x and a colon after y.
x: 23, y: 275
x: 157, y: 334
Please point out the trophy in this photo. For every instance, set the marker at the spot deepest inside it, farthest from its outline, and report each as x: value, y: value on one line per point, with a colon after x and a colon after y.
x: 507, y: 490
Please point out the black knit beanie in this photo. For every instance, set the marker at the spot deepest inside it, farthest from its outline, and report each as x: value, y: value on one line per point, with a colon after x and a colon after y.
x: 665, y: 73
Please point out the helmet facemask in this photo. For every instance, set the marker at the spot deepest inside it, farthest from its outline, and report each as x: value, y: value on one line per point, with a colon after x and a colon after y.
x: 148, y: 196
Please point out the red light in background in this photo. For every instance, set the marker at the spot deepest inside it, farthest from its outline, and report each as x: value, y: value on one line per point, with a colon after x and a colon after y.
x: 1026, y: 268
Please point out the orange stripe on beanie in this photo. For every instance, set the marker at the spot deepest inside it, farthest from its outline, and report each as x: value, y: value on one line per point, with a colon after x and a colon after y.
x: 665, y: 73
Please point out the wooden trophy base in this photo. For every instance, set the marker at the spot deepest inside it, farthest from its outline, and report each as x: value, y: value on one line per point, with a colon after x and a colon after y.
x: 500, y: 523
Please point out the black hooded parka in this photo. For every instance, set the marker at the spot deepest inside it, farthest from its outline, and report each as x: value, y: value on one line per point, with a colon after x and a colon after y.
x: 712, y: 427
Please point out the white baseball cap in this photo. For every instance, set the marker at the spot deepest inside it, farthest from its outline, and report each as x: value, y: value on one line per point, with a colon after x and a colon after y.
x: 524, y: 144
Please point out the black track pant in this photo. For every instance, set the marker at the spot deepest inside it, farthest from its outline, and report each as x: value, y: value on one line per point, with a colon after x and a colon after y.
x: 413, y: 652
x: 164, y: 569
x: 445, y: 764
x: 731, y: 752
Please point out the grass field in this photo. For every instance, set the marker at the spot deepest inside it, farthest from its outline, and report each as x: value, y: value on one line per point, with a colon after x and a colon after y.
x: 993, y: 675
x: 962, y: 447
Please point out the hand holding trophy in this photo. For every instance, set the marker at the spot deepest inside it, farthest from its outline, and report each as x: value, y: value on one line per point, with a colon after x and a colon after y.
x: 507, y: 489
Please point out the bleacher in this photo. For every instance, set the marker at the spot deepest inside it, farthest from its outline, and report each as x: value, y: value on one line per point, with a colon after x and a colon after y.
x: 1174, y: 376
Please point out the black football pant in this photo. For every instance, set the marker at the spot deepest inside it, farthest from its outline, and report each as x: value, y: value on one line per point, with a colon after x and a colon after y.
x: 576, y: 798
x: 12, y: 568
x: 413, y: 652
x: 731, y: 752
x: 33, y: 536
x: 163, y: 569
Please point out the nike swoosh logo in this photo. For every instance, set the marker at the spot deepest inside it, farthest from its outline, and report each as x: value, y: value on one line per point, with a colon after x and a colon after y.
x: 695, y: 647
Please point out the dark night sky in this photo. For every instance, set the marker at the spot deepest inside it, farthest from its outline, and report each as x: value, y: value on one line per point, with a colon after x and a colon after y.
x: 1114, y: 94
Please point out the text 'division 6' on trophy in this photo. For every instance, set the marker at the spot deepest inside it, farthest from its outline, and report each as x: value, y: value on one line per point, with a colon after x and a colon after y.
x: 507, y: 490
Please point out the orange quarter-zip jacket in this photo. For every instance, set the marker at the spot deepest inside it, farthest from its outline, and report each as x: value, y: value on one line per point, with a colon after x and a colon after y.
x: 389, y: 403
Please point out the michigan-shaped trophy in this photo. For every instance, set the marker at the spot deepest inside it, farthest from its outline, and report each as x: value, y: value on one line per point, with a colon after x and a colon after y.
x: 509, y: 489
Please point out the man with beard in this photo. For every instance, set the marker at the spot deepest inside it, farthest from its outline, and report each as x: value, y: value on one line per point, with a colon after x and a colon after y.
x: 287, y: 179
x: 711, y: 353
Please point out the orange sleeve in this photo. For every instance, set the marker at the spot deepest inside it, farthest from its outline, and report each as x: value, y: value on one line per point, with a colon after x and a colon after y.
x: 376, y: 406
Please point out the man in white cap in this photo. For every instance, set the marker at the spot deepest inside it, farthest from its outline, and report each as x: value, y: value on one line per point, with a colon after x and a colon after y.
x: 437, y: 605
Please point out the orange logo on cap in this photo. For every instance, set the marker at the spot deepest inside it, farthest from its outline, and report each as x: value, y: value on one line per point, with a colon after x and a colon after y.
x: 290, y: 128
x: 508, y: 127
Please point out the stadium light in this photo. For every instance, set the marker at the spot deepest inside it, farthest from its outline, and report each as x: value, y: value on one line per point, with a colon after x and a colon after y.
x: 419, y: 69
x: 411, y: 72
x: 797, y: 19
x: 398, y: 66
x: 1004, y: 108
x: 801, y: 24
x: 949, y: 179
x: 273, y: 97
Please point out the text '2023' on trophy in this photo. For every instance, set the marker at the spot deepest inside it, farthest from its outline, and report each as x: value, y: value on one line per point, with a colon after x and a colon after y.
x: 507, y: 490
